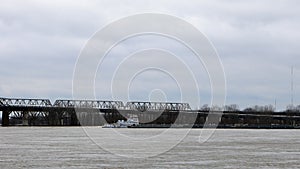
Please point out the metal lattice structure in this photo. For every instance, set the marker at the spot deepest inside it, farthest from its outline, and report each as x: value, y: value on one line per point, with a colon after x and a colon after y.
x: 93, y: 104
x: 88, y: 104
x: 158, y: 106
x: 25, y: 102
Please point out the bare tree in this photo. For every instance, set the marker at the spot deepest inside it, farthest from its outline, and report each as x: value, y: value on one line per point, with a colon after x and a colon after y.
x: 205, y: 107
x: 257, y: 108
x: 232, y: 107
x: 290, y: 108
x: 216, y: 108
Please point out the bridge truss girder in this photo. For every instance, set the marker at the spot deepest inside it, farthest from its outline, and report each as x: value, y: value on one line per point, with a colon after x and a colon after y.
x: 25, y: 102
x: 158, y: 106
x: 94, y: 104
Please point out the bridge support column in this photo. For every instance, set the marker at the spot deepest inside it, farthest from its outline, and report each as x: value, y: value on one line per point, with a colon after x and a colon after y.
x: 25, y: 118
x: 74, y: 119
x: 5, y: 118
x: 53, y: 119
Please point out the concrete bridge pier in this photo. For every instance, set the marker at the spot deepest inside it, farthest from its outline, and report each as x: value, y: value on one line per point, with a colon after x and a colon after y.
x: 5, y: 118
x: 25, y: 118
x: 54, y: 119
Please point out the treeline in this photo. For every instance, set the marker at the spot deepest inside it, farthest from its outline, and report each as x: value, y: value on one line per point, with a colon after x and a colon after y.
x: 255, y: 108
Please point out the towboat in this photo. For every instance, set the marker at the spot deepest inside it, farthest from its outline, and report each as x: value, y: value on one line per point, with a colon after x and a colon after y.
x: 132, y: 121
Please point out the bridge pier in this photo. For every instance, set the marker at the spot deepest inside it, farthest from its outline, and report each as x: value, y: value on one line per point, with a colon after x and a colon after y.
x: 74, y: 119
x: 5, y: 118
x: 25, y: 118
x: 54, y: 119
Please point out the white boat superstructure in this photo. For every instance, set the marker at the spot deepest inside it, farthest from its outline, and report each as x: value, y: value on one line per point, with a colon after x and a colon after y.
x: 130, y: 122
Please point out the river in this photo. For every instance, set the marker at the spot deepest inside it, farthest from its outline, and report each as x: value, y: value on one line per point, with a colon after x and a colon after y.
x: 95, y: 147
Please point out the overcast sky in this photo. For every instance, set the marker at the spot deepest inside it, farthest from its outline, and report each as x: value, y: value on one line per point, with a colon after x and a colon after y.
x: 257, y: 41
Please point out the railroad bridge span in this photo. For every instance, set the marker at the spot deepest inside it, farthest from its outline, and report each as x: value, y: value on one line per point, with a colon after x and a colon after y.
x: 80, y: 112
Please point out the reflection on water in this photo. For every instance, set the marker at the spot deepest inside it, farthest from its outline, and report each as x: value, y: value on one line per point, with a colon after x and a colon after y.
x: 69, y: 147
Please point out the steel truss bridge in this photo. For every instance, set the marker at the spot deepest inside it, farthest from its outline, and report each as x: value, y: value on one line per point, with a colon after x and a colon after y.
x: 17, y: 111
x: 66, y: 112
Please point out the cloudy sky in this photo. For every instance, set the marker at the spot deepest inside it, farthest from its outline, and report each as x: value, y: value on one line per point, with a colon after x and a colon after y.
x: 257, y: 42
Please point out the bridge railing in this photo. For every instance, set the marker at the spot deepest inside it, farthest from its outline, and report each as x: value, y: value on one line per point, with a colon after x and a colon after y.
x: 88, y: 104
x: 158, y: 106
x: 25, y: 102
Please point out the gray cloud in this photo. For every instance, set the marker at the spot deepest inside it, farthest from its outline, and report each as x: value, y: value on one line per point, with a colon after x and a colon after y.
x: 257, y: 41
